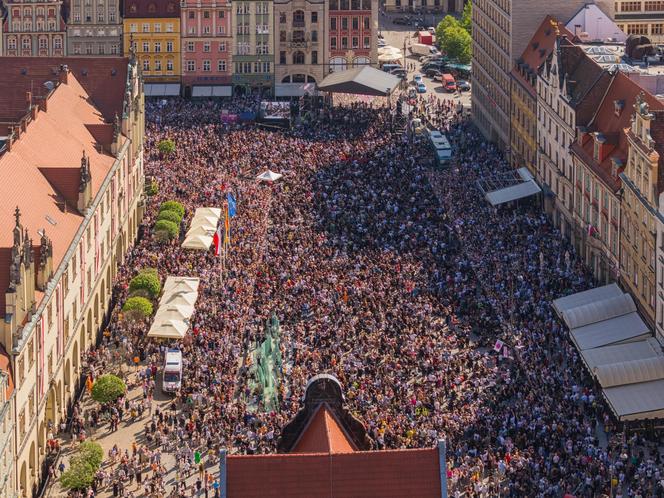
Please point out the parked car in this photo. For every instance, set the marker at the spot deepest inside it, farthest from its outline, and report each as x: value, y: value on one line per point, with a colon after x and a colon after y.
x: 417, y: 78
x: 437, y: 65
x: 432, y: 73
x: 401, y: 73
x: 421, y: 88
x: 463, y: 86
x: 431, y: 30
x: 401, y: 21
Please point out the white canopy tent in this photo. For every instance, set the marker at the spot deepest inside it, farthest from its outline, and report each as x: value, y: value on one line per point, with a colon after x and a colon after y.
x: 161, y: 89
x: 203, y: 225
x: 269, y: 176
x: 176, y: 306
x: 618, y: 349
x: 563, y: 304
x: 510, y: 186
x: 637, y: 401
x: 630, y: 351
x: 621, y: 329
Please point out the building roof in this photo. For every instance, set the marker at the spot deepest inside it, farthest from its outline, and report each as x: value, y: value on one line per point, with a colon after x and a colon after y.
x: 385, y: 474
x: 102, y: 78
x: 323, y: 434
x: 136, y: 9
x: 363, y: 80
x: 612, y: 118
x: 42, y: 169
x: 538, y: 51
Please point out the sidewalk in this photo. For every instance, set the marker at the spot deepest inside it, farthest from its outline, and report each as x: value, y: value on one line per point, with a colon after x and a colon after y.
x: 128, y: 432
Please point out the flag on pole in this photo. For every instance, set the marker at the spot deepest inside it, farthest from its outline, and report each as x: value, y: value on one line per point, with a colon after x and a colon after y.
x: 232, y: 205
x: 498, y: 346
x: 217, y: 239
x: 227, y: 228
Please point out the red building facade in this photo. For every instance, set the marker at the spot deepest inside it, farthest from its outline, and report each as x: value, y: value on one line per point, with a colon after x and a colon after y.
x: 352, y: 33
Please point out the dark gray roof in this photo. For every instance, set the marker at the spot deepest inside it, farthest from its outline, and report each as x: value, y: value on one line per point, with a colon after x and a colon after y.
x: 364, y: 80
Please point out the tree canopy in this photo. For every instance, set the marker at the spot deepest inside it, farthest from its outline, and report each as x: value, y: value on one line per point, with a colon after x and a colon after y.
x: 166, y: 147
x: 83, y: 466
x: 108, y: 388
x: 457, y: 43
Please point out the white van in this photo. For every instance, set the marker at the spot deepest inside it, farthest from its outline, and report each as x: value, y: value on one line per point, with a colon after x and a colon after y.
x: 172, y: 379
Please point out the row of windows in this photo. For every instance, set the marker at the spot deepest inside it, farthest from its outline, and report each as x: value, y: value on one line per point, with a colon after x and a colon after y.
x: 206, y: 14
x: 642, y: 28
x: 27, y: 12
x: 355, y: 23
x: 299, y: 57
x: 100, y: 16
x: 89, y: 48
x: 38, y: 26
x: 350, y: 4
x: 298, y: 18
x: 26, y: 43
x: 207, y: 30
x: 157, y: 65
x: 244, y: 8
x: 252, y: 67
x: 206, y: 65
x: 207, y: 47
x: 637, y: 6
x: 245, y: 48
x: 354, y: 42
x: 156, y: 46
x: 133, y: 28
x: 245, y: 29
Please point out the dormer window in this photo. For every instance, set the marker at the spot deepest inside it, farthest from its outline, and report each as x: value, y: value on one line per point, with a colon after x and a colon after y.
x: 616, y: 164
x: 170, y: 7
x: 132, y: 8
x: 618, y: 106
x: 597, y: 149
x: 152, y: 8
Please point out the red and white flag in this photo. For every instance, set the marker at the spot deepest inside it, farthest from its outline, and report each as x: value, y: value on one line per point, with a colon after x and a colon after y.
x: 217, y: 239
x: 498, y: 346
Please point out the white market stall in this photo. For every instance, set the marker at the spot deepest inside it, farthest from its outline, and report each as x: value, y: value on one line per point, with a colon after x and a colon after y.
x: 176, y: 306
x: 202, y: 229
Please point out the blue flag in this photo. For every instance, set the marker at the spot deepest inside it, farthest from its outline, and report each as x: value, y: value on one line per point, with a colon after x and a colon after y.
x: 232, y: 205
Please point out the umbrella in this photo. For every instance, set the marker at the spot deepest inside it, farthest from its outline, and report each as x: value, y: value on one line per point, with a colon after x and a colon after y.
x: 269, y: 176
x: 385, y: 50
x: 389, y: 57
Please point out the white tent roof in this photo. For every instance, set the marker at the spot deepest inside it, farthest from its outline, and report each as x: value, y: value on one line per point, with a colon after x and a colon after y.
x: 161, y: 89
x: 269, y: 176
x: 176, y: 307
x: 201, y: 232
x: 637, y: 401
x: 625, y: 328
x: 513, y: 193
x: 630, y: 351
x: 598, y: 311
x: 563, y: 304
x: 630, y: 372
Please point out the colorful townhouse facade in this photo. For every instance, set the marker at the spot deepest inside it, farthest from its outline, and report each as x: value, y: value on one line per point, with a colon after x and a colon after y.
x: 151, y: 30
x: 207, y: 47
x: 353, y: 28
x: 34, y: 28
x: 94, y: 27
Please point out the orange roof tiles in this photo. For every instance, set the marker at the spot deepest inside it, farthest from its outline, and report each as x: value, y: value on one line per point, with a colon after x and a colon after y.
x: 539, y: 49
x: 42, y: 168
x: 103, y: 79
x: 360, y: 474
x: 323, y: 434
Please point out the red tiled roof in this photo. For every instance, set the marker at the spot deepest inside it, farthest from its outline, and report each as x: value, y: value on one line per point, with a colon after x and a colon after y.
x: 613, y: 126
x: 323, y: 434
x: 136, y: 9
x: 540, y: 47
x: 43, y: 166
x: 360, y: 474
x: 103, y: 79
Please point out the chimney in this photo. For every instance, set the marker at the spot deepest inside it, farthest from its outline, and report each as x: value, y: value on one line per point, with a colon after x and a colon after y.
x: 45, y: 271
x: 581, y: 134
x: 28, y: 99
x: 85, y: 187
x: 64, y: 73
x: 34, y: 110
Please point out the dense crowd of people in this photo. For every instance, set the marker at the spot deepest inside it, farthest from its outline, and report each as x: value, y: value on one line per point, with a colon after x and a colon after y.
x: 390, y: 273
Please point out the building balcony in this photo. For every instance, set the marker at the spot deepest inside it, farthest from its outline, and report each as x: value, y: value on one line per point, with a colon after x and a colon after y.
x: 298, y: 24
x: 298, y: 44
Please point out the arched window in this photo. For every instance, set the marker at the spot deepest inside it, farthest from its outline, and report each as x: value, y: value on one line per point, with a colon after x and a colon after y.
x: 286, y: 79
x: 299, y: 78
x: 298, y: 57
x: 361, y: 61
x: 338, y: 64
x: 298, y: 19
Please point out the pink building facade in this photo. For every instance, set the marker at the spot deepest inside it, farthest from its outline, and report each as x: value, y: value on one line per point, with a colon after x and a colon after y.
x: 207, y: 45
x: 34, y: 28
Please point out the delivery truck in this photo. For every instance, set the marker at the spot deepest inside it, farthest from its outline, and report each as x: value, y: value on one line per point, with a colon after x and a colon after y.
x: 422, y: 49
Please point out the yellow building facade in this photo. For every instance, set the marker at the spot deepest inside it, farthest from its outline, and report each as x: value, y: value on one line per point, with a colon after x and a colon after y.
x: 153, y: 32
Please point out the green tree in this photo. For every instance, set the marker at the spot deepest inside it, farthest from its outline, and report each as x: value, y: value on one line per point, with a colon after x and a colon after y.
x: 108, y: 388
x: 90, y: 452
x: 78, y: 476
x: 467, y: 17
x: 172, y: 206
x: 166, y: 230
x: 447, y: 22
x: 137, y: 308
x: 169, y: 216
x: 147, y: 280
x: 166, y: 147
x: 152, y: 187
x: 457, y: 43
